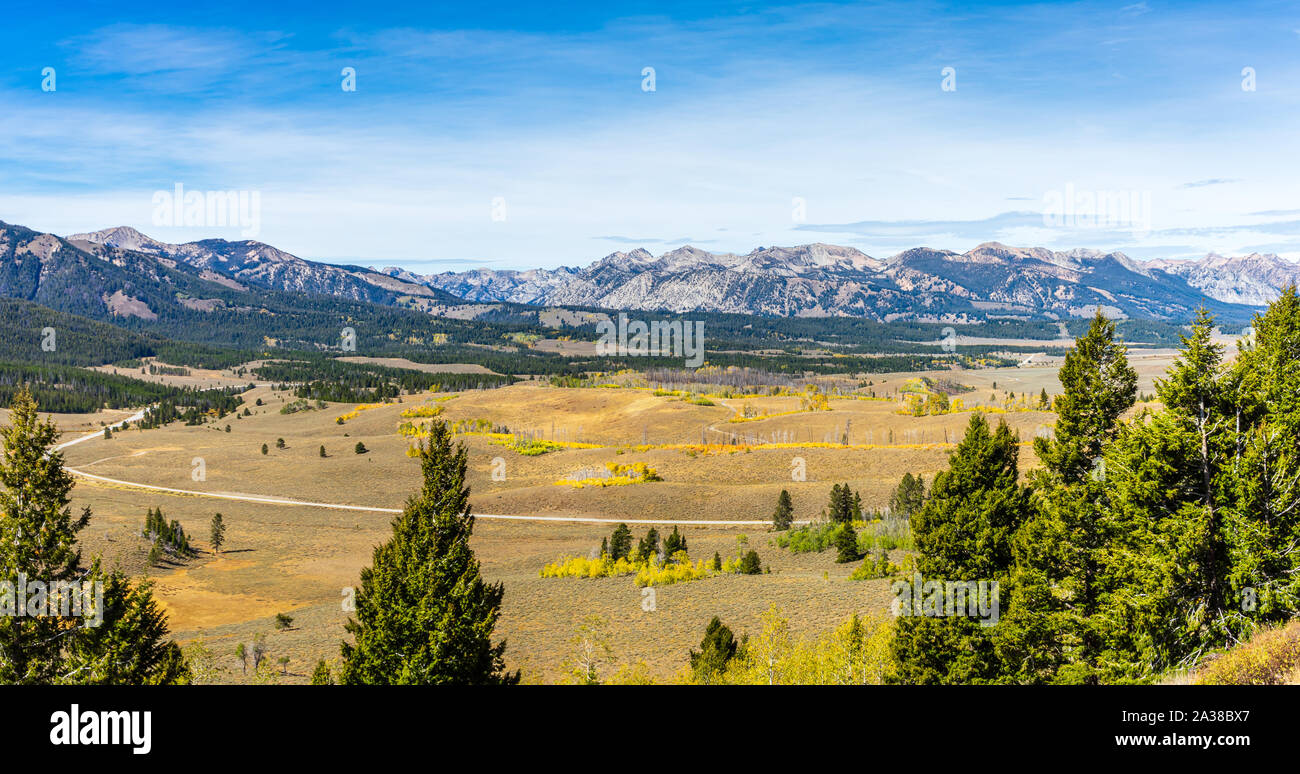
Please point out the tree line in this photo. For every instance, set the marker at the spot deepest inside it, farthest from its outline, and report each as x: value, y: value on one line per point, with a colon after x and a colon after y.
x: 1141, y: 543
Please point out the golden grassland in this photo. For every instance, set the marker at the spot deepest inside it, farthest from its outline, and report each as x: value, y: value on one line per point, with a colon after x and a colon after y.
x: 298, y: 560
x: 1270, y: 657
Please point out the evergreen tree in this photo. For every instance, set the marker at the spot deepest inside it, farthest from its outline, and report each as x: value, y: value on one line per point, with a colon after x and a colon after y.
x: 620, y: 543
x: 1265, y: 486
x: 424, y: 615
x: 1067, y: 618
x: 38, y: 540
x: 360, y: 448
x: 218, y: 533
x: 750, y: 564
x: 908, y: 497
x: 648, y: 546
x: 321, y: 674
x: 963, y: 534
x: 716, y: 649
x: 38, y: 535
x: 841, y: 503
x: 1098, y: 387
x: 130, y: 645
x: 1195, y: 532
x: 784, y: 515
x: 846, y: 544
x: 674, y: 543
x: 322, y: 450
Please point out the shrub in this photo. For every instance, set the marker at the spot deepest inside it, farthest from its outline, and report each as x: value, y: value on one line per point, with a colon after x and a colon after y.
x: 1271, y: 657
x: 615, y: 475
x: 877, y: 566
x: 321, y: 674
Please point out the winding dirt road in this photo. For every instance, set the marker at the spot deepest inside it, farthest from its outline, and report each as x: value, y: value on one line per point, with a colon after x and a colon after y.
x: 369, y: 508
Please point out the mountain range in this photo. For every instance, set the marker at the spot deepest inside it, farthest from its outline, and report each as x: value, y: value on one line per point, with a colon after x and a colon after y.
x: 215, y: 293
x: 814, y: 280
x: 919, y: 284
x: 249, y: 263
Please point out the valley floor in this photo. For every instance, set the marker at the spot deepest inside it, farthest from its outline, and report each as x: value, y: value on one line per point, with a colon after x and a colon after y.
x: 300, y: 560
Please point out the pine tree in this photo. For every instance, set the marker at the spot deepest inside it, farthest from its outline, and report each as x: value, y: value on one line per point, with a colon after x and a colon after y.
x: 322, y: 450
x: 846, y: 544
x: 841, y: 503
x: 1098, y: 387
x: 360, y: 448
x: 750, y: 564
x: 1265, y: 487
x: 38, y: 537
x: 648, y: 546
x: 908, y: 497
x: 38, y: 540
x: 717, y: 649
x: 424, y: 615
x: 1195, y: 525
x: 674, y: 543
x: 130, y: 645
x: 620, y: 543
x: 963, y: 534
x: 321, y: 674
x: 784, y: 515
x: 1062, y: 626
x: 265, y: 449
x: 218, y: 533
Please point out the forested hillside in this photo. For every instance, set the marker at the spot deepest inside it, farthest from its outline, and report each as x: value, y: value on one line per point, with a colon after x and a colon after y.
x: 1139, y: 545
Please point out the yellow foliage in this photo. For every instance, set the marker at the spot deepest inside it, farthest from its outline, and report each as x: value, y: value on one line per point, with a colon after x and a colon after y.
x: 620, y: 475
x: 856, y: 653
x: 422, y: 411
x: 680, y: 569
x: 354, y: 413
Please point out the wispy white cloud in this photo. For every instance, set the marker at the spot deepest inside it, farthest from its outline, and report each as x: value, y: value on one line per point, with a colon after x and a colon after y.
x: 1209, y: 182
x: 838, y: 106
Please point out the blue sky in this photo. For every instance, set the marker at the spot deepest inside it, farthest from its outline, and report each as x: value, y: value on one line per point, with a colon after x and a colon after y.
x: 518, y: 135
